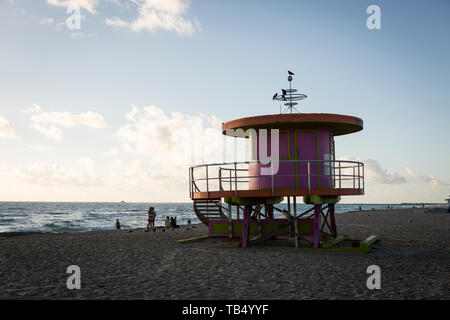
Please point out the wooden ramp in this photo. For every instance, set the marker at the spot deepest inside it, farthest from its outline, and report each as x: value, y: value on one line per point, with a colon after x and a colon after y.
x: 209, y: 209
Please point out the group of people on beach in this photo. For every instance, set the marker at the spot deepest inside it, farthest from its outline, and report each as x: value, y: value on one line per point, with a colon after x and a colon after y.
x: 170, y: 222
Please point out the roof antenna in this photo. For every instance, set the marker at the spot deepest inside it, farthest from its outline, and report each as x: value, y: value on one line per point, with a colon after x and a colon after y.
x: 289, y: 96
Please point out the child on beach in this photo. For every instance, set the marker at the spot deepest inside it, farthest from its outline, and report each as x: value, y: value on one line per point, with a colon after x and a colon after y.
x: 167, y: 223
x: 173, y: 223
x: 117, y: 224
x: 188, y: 224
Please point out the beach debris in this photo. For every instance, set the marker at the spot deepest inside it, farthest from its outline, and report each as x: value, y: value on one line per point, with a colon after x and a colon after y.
x: 370, y: 241
x: 334, y: 242
x: 192, y: 239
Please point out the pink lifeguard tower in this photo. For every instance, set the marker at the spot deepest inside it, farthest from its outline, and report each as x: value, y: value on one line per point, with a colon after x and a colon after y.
x: 239, y: 199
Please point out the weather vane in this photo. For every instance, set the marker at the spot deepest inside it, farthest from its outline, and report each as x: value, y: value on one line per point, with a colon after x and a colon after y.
x: 289, y: 95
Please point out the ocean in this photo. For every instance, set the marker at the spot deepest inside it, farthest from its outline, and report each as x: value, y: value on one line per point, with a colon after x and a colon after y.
x: 86, y: 216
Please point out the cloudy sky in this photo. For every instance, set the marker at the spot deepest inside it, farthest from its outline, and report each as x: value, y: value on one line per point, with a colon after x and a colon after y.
x: 105, y: 107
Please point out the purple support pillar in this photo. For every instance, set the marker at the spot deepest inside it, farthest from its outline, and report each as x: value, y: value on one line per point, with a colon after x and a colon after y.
x: 333, y: 221
x: 269, y: 213
x: 269, y: 208
x: 245, y: 229
x: 317, y: 214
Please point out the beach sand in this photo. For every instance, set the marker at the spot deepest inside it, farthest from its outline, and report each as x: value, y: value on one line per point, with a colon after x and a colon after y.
x: 413, y: 255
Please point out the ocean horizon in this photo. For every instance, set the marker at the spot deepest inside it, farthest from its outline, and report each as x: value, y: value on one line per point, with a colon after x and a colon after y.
x: 54, y: 217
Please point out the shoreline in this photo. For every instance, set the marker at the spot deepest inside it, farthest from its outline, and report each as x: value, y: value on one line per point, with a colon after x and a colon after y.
x: 18, y: 233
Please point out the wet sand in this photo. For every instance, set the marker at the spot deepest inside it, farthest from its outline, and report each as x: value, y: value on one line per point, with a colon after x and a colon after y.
x: 414, y: 257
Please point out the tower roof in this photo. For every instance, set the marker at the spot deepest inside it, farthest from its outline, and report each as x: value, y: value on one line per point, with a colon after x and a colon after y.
x: 338, y: 123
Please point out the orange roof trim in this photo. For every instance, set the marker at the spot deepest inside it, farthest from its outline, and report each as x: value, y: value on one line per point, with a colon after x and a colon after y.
x: 338, y: 123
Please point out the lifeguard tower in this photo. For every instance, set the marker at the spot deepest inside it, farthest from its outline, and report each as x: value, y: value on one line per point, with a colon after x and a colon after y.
x: 240, y: 199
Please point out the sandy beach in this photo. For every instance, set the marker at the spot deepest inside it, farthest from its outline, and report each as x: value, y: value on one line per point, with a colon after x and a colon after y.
x: 414, y: 257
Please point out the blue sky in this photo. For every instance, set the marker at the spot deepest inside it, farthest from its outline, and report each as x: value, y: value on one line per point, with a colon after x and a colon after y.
x: 217, y: 61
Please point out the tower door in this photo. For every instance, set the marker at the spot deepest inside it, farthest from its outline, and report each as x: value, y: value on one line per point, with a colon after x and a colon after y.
x: 306, y: 148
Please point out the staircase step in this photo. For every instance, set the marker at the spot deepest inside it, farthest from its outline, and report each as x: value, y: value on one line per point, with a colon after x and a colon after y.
x: 210, y: 209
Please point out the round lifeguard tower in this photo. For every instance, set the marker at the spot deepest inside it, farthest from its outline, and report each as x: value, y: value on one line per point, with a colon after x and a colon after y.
x: 292, y: 155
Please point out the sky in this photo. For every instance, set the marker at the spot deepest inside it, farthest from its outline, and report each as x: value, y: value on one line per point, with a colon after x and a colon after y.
x: 107, y: 109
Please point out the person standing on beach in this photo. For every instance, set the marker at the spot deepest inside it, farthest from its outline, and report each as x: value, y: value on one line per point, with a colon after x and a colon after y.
x: 117, y: 224
x: 151, y: 218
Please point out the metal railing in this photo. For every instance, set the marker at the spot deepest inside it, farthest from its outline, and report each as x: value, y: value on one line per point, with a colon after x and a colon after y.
x: 234, y: 176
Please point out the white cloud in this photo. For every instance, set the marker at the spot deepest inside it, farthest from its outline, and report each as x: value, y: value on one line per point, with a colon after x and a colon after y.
x: 89, y: 5
x: 140, y: 179
x: 51, y: 132
x: 155, y: 15
x: 374, y: 173
x: 39, y: 148
x: 435, y: 183
x: 161, y: 145
x: 68, y: 119
x: 168, y: 143
x: 111, y: 153
x: 81, y: 35
x: 46, y: 21
x: 152, y: 15
x: 6, y: 130
x: 78, y: 174
x: 49, y: 123
x: 175, y: 138
x: 33, y: 109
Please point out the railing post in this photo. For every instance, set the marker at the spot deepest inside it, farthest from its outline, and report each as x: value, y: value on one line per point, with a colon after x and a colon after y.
x: 359, y: 185
x: 207, y: 182
x: 339, y: 177
x: 363, y: 174
x: 333, y: 174
x: 220, y: 179
x: 309, y: 178
x: 235, y: 179
x: 359, y: 177
x: 353, y: 177
x: 271, y: 168
x: 295, y: 221
x: 190, y: 183
x: 230, y: 221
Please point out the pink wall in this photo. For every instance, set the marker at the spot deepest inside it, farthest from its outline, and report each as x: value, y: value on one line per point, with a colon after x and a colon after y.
x: 296, y: 143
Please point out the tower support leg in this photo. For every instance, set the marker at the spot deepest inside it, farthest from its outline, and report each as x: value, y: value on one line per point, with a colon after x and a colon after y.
x: 332, y: 220
x: 246, y: 227
x: 269, y: 211
x: 317, y: 215
x: 269, y: 214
